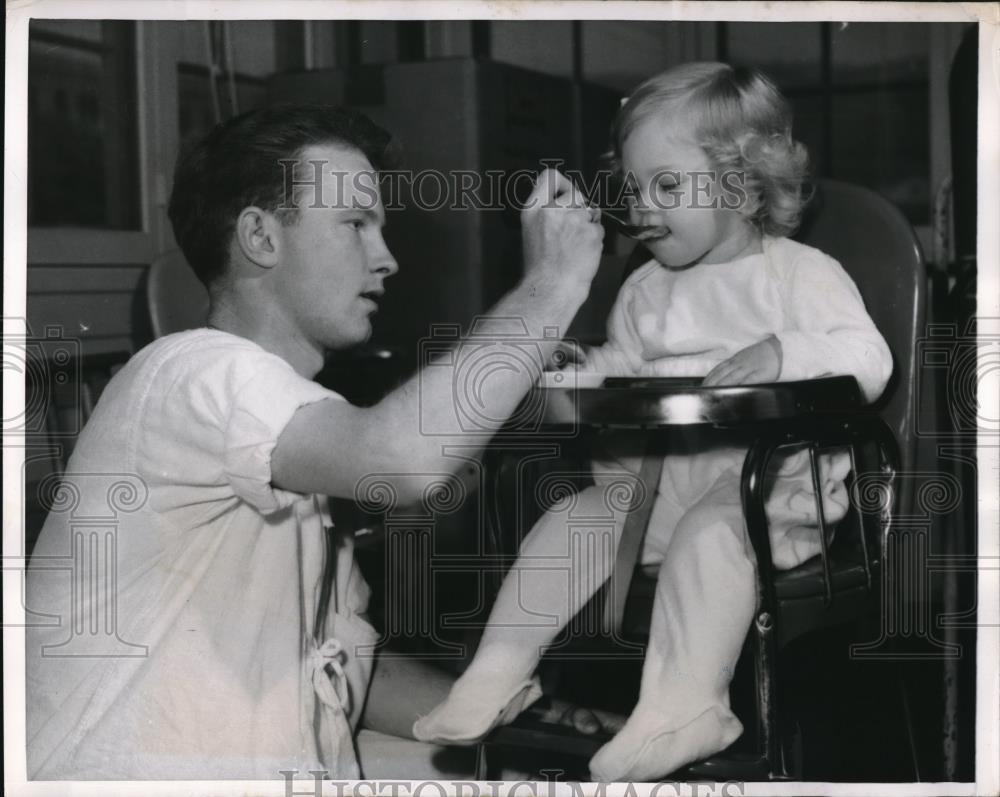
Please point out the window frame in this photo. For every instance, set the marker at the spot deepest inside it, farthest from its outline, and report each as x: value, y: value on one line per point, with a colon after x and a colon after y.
x: 104, y: 246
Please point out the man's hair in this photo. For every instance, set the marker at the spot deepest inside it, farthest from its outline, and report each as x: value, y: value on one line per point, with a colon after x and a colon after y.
x: 238, y: 165
x: 743, y: 124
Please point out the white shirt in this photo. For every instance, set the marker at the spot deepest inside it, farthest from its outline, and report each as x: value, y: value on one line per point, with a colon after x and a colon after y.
x: 216, y: 668
x: 672, y: 322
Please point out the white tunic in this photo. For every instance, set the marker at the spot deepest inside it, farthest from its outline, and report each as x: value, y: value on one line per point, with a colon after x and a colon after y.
x: 195, y: 651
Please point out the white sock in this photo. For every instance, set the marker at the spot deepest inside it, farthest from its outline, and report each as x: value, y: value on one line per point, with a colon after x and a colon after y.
x: 474, y: 707
x: 647, y: 748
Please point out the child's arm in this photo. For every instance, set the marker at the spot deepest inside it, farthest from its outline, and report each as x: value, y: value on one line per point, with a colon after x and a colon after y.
x: 621, y: 354
x: 829, y: 331
x: 756, y: 364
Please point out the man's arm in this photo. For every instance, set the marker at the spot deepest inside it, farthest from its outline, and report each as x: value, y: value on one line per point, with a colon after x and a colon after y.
x: 403, y: 690
x: 328, y: 447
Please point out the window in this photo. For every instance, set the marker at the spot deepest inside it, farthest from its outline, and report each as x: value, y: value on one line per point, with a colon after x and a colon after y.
x: 196, y: 105
x: 83, y: 165
x: 222, y: 70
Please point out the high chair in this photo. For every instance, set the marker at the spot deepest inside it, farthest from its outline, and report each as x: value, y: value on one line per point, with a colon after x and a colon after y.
x: 877, y: 247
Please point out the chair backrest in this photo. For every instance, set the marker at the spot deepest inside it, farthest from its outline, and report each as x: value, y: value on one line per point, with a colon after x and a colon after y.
x: 876, y: 245
x: 177, y: 299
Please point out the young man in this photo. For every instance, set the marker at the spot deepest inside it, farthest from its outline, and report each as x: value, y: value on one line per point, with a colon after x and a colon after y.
x: 224, y: 662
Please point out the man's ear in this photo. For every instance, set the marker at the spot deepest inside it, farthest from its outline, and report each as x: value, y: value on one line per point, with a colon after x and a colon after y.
x: 257, y: 236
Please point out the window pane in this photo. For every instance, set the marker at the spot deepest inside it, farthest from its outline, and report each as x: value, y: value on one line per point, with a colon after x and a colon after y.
x: 196, y: 111
x: 809, y: 126
x: 541, y: 45
x: 880, y: 140
x: 252, y: 46
x: 877, y: 52
x: 787, y: 52
x: 89, y: 29
x: 83, y: 168
x: 881, y: 112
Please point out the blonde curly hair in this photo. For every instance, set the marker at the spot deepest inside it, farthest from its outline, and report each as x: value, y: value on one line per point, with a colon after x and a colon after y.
x: 743, y: 124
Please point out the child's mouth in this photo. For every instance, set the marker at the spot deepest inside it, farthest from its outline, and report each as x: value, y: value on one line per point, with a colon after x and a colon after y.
x: 639, y: 232
x: 650, y: 233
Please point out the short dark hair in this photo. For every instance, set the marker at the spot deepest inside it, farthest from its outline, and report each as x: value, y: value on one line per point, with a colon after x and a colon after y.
x: 238, y: 165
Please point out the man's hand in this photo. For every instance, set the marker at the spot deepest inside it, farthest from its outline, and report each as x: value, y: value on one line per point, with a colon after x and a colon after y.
x: 562, y: 234
x: 753, y: 365
x: 585, y: 720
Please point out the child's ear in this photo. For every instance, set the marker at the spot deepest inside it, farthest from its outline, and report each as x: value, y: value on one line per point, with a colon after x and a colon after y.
x: 257, y: 236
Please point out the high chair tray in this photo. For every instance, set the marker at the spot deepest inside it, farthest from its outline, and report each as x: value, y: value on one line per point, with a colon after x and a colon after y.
x: 653, y: 382
x: 654, y: 402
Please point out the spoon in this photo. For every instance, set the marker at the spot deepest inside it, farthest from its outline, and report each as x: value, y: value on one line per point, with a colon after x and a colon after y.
x: 639, y: 232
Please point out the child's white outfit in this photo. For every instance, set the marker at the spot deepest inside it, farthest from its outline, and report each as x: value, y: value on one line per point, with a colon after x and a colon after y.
x: 669, y: 322
x: 222, y: 665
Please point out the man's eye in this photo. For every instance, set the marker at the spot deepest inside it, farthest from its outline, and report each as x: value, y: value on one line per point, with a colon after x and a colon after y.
x: 356, y: 224
x: 667, y: 185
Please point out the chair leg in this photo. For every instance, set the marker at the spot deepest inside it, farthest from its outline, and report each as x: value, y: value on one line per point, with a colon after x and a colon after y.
x: 482, y: 767
x: 764, y: 630
x: 768, y: 735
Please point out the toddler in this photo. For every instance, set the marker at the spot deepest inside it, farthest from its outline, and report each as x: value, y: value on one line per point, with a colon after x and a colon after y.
x: 713, y: 171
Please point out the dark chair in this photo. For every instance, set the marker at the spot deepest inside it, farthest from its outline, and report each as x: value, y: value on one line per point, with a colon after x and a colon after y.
x: 62, y: 387
x: 177, y: 299
x: 878, y: 248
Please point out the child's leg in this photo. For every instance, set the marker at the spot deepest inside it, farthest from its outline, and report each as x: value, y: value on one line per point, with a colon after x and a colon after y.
x: 793, y: 522
x: 704, y: 606
x: 563, y: 561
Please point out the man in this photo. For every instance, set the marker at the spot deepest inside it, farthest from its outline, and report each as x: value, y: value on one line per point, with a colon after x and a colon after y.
x: 222, y: 659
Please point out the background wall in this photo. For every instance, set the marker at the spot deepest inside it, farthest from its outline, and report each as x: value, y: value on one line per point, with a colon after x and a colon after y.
x: 117, y: 100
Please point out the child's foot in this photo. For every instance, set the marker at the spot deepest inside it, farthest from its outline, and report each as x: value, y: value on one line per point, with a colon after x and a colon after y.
x: 645, y: 751
x: 465, y: 719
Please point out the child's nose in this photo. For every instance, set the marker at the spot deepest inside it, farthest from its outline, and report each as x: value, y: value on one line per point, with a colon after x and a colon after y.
x: 646, y: 215
x: 642, y: 209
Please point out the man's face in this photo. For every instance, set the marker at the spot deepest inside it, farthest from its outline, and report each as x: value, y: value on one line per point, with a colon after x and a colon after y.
x: 333, y: 258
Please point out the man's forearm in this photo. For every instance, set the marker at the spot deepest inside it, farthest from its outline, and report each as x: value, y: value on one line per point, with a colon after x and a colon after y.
x: 332, y: 447
x: 482, y: 377
x: 403, y: 690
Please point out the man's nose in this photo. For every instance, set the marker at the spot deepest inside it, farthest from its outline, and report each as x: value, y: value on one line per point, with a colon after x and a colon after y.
x: 382, y: 261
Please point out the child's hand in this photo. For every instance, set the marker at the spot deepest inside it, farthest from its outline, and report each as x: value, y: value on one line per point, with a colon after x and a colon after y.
x: 567, y: 354
x: 752, y: 365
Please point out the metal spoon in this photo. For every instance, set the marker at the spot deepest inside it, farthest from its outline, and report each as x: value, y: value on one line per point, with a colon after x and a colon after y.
x: 639, y: 232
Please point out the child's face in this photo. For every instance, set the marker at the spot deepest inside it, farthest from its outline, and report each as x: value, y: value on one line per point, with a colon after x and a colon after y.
x: 676, y: 186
